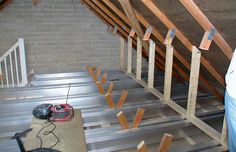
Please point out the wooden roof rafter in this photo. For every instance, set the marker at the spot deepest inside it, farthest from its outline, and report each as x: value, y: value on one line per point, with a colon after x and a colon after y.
x: 201, y: 18
x: 159, y: 36
x: 169, y: 24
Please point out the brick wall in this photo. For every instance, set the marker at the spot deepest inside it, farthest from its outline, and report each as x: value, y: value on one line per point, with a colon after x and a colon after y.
x: 60, y: 35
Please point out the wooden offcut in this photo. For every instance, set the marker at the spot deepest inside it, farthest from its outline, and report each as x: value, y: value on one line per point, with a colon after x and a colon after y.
x: 207, y: 39
x: 98, y: 72
x: 109, y: 100
x: 122, y: 99
x: 165, y: 143
x: 170, y: 36
x: 91, y: 71
x: 122, y: 119
x: 132, y: 33
x: 148, y: 33
x: 138, y: 117
x: 104, y: 78
x: 109, y: 90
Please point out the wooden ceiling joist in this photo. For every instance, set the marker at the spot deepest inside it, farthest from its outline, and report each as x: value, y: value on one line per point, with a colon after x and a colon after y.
x: 159, y: 36
x: 199, y: 16
x: 166, y: 21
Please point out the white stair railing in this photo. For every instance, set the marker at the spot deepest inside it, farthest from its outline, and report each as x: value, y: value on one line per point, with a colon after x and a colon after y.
x: 13, y: 66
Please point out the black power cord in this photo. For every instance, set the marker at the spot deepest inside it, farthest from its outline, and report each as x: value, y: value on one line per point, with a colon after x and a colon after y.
x: 47, y: 133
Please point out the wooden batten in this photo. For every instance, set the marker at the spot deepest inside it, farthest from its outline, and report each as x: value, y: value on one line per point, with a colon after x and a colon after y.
x: 122, y: 53
x: 168, y: 72
x: 129, y: 60
x: 151, y: 63
x: 138, y: 117
x: 99, y: 70
x: 91, y: 71
x: 193, y: 82
x: 122, y: 119
x: 122, y: 99
x: 104, y: 78
x: 139, y: 60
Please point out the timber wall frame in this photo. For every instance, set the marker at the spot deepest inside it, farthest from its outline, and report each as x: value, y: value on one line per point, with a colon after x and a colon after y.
x: 131, y: 20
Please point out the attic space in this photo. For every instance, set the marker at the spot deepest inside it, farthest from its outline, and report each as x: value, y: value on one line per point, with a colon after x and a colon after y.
x: 117, y: 75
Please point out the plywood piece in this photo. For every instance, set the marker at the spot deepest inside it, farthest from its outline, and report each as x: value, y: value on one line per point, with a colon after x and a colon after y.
x: 168, y: 72
x: 138, y: 117
x: 122, y: 119
x: 109, y: 100
x: 193, y: 82
x: 148, y: 33
x: 165, y: 143
x: 207, y: 39
x: 100, y: 87
x: 142, y: 147
x: 71, y: 135
x: 151, y: 64
x: 170, y: 36
x: 122, y: 99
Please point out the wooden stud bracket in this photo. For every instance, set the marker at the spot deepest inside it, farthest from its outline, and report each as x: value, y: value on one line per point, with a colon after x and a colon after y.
x: 148, y: 33
x: 207, y: 39
x: 170, y: 36
x: 132, y: 33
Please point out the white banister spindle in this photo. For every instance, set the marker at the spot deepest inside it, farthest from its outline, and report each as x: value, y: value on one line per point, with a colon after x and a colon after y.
x: 12, y: 74
x: 16, y: 65
x: 22, y: 61
x: 6, y: 72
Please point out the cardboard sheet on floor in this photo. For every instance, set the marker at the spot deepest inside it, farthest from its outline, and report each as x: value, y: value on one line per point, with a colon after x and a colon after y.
x: 70, y: 134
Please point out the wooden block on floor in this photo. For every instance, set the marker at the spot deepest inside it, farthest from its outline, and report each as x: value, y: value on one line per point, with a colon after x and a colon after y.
x: 70, y: 133
x: 123, y: 122
x: 142, y: 147
x: 138, y: 117
x: 123, y: 96
x: 165, y: 143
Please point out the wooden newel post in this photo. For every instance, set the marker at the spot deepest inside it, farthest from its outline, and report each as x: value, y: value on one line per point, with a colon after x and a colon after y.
x: 193, y: 82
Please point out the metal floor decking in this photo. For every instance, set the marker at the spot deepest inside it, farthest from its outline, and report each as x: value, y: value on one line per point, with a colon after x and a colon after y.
x: 101, y: 125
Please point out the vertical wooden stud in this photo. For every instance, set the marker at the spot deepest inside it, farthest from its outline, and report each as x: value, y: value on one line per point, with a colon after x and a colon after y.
x: 142, y: 147
x: 168, y: 72
x: 123, y: 122
x: 151, y: 64
x: 193, y: 82
x: 123, y: 96
x: 129, y: 61
x: 122, y: 53
x: 165, y: 143
x: 138, y: 117
x: 109, y: 100
x: 139, y: 60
